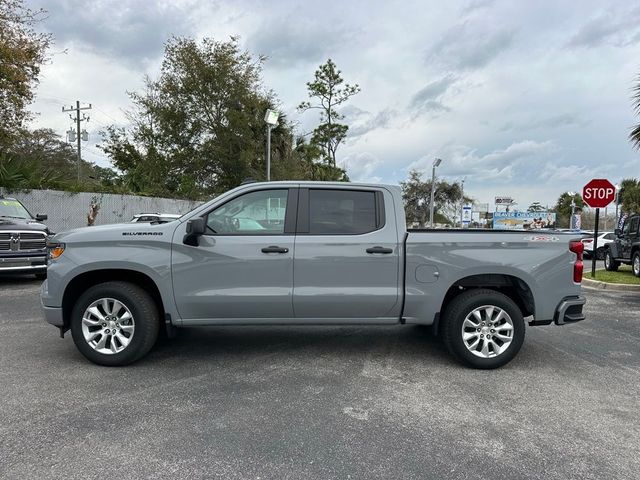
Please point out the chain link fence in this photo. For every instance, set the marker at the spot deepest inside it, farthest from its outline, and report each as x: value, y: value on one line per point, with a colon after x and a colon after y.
x: 68, y: 210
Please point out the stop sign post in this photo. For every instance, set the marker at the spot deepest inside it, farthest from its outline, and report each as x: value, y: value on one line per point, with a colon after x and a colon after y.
x: 598, y: 193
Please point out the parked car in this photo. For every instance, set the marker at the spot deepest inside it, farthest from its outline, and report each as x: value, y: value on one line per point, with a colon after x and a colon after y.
x: 604, y: 239
x: 625, y: 248
x: 154, y: 217
x: 22, y: 239
x: 325, y: 253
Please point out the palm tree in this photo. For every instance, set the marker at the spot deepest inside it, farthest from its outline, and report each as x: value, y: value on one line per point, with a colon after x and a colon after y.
x: 634, y: 136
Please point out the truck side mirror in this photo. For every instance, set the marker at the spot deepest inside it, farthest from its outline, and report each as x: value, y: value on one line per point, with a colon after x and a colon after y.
x: 616, y: 232
x: 41, y: 218
x: 195, y: 228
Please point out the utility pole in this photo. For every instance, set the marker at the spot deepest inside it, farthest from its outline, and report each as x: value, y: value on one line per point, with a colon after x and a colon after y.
x: 80, y: 136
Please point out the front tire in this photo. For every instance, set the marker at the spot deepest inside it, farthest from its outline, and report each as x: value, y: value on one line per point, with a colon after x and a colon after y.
x: 483, y: 328
x: 635, y: 264
x: 609, y: 263
x: 114, y: 323
x: 41, y: 275
x: 600, y: 253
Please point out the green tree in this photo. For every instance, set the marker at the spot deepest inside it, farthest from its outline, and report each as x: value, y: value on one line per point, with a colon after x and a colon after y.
x: 416, y: 194
x: 41, y: 159
x: 328, y: 93
x: 563, y: 207
x: 630, y: 195
x: 536, y: 207
x: 22, y: 53
x: 634, y: 136
x: 198, y: 129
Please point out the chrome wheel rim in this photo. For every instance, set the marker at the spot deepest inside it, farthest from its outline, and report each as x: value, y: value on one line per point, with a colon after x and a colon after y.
x: 636, y: 265
x: 108, y: 326
x: 487, y: 331
x: 607, y: 259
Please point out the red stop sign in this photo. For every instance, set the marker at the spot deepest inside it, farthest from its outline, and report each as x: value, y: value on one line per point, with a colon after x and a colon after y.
x: 598, y: 193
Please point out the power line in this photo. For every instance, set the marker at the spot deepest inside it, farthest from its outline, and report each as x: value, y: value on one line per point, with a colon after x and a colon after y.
x: 80, y: 136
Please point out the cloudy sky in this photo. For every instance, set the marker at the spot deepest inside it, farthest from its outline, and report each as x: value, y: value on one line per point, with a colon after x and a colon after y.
x: 527, y: 99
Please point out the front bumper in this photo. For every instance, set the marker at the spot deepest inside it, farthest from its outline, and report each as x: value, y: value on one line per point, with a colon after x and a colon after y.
x: 16, y: 264
x: 52, y: 315
x: 570, y: 310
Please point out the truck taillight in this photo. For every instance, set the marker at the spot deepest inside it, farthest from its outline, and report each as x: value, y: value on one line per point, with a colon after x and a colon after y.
x: 577, y: 247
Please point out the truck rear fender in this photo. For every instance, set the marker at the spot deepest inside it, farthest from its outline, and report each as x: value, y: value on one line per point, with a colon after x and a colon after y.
x: 513, y: 287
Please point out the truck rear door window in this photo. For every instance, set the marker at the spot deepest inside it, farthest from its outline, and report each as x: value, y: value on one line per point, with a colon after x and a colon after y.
x: 341, y: 212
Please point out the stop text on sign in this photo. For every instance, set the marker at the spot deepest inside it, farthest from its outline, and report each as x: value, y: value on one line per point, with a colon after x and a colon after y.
x: 598, y: 193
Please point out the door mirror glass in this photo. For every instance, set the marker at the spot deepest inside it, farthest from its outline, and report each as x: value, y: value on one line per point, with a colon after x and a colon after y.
x: 617, y: 232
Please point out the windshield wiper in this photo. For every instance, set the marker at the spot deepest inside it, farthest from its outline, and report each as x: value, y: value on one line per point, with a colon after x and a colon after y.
x: 13, y: 216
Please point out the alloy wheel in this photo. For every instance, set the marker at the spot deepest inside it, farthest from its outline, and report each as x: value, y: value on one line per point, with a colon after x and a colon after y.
x: 108, y: 326
x: 487, y: 331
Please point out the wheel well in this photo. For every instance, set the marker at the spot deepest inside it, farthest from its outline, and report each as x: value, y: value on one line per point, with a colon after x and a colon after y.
x: 511, y: 286
x: 82, y: 282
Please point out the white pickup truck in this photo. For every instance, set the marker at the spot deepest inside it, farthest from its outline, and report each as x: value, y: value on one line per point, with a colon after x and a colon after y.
x: 308, y: 253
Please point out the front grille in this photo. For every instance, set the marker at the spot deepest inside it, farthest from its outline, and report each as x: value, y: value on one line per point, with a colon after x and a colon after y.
x: 22, y: 241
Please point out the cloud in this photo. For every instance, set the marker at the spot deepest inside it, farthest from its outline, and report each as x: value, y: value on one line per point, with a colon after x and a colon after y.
x: 366, y: 122
x: 499, y: 166
x: 133, y: 32
x: 361, y: 167
x: 288, y: 40
x: 469, y: 45
x: 552, y: 122
x: 610, y: 28
x: 428, y: 99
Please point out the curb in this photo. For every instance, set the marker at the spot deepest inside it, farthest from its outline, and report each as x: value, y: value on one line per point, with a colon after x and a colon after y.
x: 614, y: 287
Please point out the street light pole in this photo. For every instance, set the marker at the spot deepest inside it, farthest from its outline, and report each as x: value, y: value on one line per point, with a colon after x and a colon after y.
x: 573, y: 209
x: 271, y: 117
x: 436, y: 163
x: 462, y: 204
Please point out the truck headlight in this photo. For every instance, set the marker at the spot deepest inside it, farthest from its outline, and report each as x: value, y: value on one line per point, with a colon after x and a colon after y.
x: 55, y: 249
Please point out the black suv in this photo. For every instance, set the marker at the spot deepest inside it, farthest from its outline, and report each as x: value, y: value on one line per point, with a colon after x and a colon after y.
x: 626, y: 247
x: 23, y: 239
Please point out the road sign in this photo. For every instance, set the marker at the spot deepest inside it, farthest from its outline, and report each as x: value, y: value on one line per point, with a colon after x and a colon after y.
x: 466, y: 215
x: 503, y: 200
x: 598, y: 193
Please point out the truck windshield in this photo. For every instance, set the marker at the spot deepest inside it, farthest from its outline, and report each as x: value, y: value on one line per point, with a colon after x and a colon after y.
x: 13, y: 209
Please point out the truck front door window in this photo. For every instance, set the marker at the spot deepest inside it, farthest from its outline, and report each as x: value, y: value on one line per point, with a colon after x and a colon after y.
x: 254, y: 213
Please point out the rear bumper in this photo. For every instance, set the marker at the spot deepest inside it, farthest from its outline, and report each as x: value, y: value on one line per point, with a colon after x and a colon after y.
x: 570, y: 310
x: 16, y: 264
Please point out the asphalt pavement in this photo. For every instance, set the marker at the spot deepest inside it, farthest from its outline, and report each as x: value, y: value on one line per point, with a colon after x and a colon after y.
x: 321, y: 402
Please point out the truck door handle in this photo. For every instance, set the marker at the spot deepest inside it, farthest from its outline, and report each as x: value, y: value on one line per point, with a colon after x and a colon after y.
x: 274, y: 249
x: 379, y: 250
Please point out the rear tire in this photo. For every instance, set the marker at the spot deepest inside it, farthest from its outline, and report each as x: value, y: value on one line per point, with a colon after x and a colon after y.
x: 115, y: 323
x: 609, y: 263
x: 483, y: 328
x: 635, y: 263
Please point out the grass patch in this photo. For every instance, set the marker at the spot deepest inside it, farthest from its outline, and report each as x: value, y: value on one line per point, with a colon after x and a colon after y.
x: 624, y: 275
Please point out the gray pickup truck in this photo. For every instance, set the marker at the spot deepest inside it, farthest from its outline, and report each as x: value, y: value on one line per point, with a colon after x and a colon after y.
x: 308, y: 253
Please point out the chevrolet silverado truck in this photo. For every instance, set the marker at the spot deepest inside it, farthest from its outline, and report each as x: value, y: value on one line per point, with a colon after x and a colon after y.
x: 22, y: 239
x: 308, y: 253
x: 625, y: 247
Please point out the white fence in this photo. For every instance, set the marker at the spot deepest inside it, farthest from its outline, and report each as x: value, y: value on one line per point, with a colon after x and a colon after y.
x: 68, y: 210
